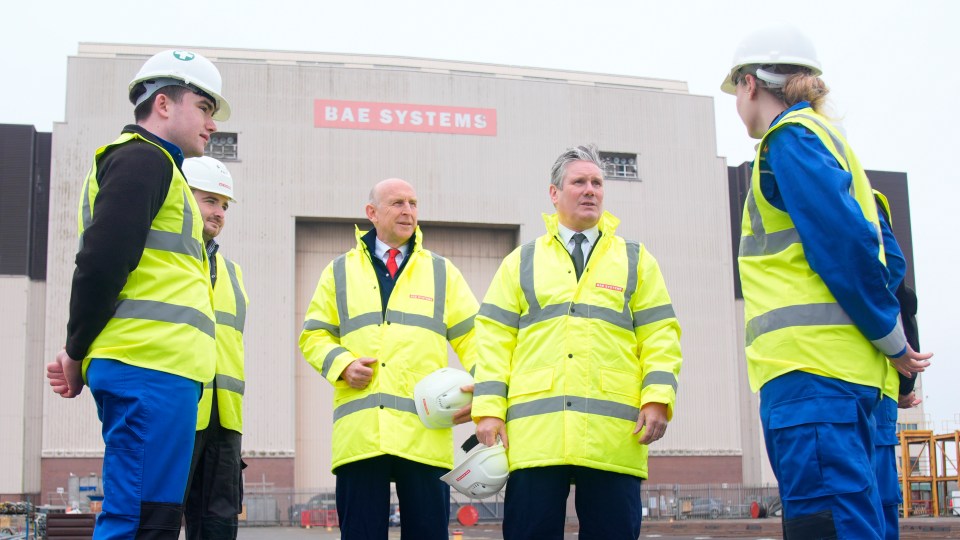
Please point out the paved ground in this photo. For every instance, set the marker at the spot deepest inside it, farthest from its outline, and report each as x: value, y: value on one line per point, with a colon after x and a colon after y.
x: 769, y: 529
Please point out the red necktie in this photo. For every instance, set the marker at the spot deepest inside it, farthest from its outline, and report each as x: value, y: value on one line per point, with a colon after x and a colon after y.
x: 392, y: 262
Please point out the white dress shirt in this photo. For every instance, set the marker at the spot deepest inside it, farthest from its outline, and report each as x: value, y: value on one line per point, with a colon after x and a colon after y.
x: 567, y: 236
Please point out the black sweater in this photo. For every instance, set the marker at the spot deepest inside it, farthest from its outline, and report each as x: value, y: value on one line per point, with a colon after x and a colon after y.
x: 134, y: 179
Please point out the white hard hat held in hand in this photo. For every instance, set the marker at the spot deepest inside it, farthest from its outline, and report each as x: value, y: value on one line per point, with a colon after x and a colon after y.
x: 438, y: 397
x: 483, y: 471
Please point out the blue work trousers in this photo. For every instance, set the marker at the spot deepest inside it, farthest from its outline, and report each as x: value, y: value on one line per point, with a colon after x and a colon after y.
x: 149, y: 420
x: 821, y: 438
x: 890, y: 494
x: 607, y: 503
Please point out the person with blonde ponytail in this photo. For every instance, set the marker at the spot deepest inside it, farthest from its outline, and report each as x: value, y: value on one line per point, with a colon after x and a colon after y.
x: 822, y: 327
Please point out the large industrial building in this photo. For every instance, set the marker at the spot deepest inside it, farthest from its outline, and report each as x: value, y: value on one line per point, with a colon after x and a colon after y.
x: 309, y: 136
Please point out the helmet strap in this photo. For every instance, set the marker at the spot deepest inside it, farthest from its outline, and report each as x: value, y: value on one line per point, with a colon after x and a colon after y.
x: 773, y: 80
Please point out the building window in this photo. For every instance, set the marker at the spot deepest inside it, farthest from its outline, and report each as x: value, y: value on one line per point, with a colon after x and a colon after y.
x: 619, y: 166
x: 222, y: 146
x: 906, y: 427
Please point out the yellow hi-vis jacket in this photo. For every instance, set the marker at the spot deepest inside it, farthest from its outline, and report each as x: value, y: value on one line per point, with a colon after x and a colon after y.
x: 230, y: 304
x: 793, y: 322
x: 569, y: 364
x: 891, y: 383
x: 164, y: 315
x: 430, y: 305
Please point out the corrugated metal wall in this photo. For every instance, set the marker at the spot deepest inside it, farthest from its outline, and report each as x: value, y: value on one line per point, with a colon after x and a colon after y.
x: 21, y: 333
x: 289, y: 170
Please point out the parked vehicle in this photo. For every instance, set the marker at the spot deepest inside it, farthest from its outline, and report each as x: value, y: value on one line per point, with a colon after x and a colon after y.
x: 703, y: 508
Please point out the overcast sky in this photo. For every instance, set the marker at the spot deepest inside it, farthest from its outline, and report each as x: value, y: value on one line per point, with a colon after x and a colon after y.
x: 892, y: 67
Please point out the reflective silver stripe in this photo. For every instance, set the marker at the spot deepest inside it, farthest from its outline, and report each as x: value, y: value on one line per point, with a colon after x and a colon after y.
x: 435, y: 324
x: 540, y: 315
x: 182, y: 242
x: 490, y: 388
x: 500, y: 315
x: 659, y: 377
x: 768, y: 244
x: 537, y: 314
x: 241, y: 302
x: 616, y: 318
x: 599, y: 407
x: 526, y: 278
x: 152, y: 310
x: 420, y: 321
x: 349, y: 324
x: 460, y: 329
x: 313, y: 324
x: 892, y: 342
x: 762, y: 243
x: 439, y: 288
x: 230, y: 384
x: 652, y: 315
x: 85, y: 213
x: 208, y: 385
x: 473, y: 371
x: 383, y: 401
x: 837, y: 143
x: 328, y: 360
x: 800, y: 315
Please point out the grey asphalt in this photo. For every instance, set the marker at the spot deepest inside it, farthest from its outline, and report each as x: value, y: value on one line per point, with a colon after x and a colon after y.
x: 320, y: 533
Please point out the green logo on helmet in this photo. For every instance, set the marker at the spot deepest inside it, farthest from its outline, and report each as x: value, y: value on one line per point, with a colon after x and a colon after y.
x: 186, y: 56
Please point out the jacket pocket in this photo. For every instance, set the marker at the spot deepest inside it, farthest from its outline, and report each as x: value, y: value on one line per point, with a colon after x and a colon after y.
x: 531, y: 382
x: 820, y: 447
x: 624, y: 383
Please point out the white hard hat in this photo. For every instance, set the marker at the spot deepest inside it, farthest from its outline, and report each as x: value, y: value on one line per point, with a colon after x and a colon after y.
x: 208, y: 174
x: 774, y: 45
x: 438, y: 396
x: 482, y: 473
x: 180, y: 68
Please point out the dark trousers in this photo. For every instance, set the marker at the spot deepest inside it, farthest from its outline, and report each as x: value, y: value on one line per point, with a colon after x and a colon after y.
x: 607, y: 503
x: 363, y: 499
x: 215, y: 490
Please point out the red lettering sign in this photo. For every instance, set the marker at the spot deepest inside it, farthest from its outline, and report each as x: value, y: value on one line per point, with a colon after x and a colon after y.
x: 329, y: 113
x: 611, y: 287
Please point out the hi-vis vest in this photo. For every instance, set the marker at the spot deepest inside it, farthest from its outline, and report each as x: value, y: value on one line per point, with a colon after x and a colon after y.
x: 164, y: 314
x: 230, y: 305
x: 891, y: 386
x: 430, y: 305
x: 793, y: 322
x: 568, y: 364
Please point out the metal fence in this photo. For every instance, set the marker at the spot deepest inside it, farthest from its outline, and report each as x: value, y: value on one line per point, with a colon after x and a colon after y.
x: 265, y: 505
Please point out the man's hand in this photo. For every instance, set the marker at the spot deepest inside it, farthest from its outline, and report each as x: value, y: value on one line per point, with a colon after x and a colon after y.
x: 653, y: 421
x: 357, y: 374
x: 66, y: 375
x: 908, y: 401
x: 911, y: 362
x: 488, y: 428
x: 463, y: 415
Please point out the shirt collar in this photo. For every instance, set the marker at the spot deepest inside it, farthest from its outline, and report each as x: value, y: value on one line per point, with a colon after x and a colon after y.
x: 566, y: 234
x: 381, y: 249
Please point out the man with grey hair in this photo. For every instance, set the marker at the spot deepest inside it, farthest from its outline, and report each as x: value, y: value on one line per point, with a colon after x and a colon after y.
x: 578, y: 354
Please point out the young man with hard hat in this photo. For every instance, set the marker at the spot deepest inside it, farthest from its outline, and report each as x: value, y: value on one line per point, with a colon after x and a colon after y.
x: 578, y: 352
x: 215, y: 490
x: 379, y: 322
x: 141, y: 326
x: 822, y: 326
